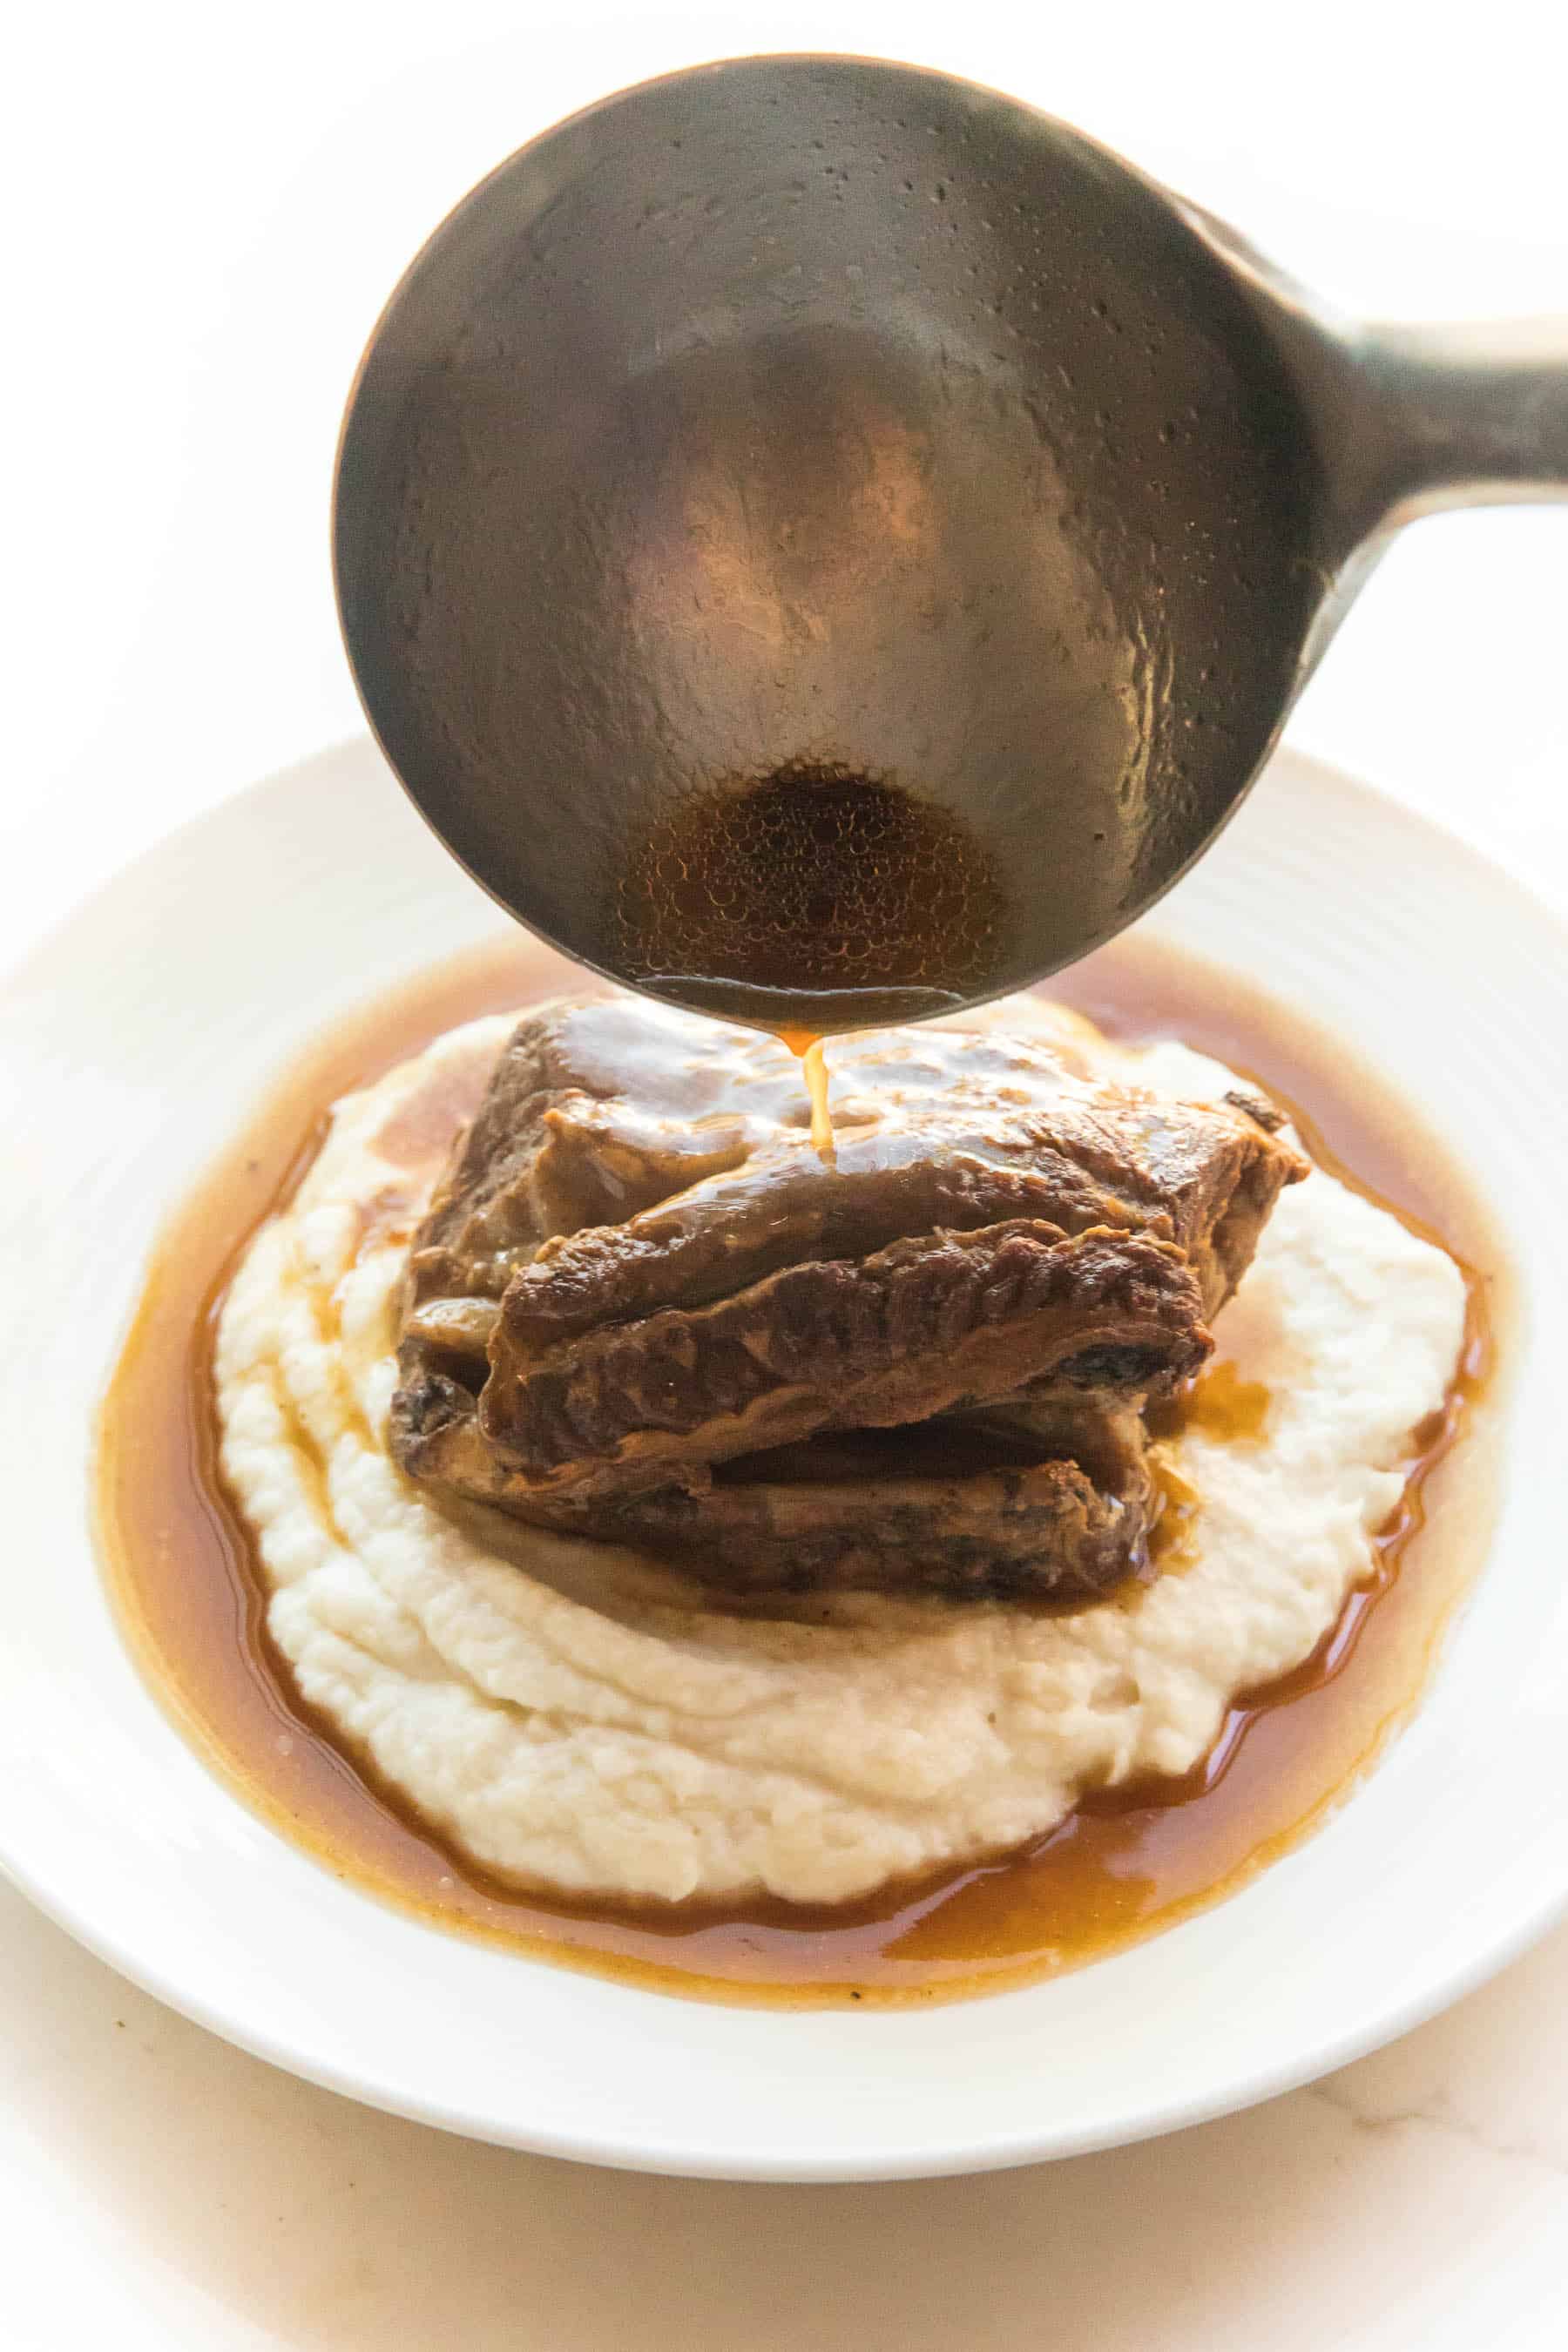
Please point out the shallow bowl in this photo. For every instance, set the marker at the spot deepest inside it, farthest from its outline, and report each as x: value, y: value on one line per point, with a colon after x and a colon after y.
x: 130, y: 1046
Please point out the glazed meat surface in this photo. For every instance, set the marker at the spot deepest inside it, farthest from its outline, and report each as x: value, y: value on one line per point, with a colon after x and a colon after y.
x: 643, y: 1307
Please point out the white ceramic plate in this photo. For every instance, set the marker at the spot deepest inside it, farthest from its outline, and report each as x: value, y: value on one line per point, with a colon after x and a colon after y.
x: 132, y: 1046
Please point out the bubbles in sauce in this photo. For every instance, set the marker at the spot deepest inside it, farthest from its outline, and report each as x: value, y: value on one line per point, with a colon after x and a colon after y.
x: 814, y: 898
x: 1123, y: 1864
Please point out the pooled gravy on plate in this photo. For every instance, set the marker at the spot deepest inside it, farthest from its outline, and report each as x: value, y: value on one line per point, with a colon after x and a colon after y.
x: 1124, y: 1863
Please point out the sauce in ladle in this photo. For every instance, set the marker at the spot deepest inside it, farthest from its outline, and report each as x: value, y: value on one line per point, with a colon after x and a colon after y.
x: 812, y: 884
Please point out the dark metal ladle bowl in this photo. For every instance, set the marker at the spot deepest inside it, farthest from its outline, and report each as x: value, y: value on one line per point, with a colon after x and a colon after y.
x: 816, y: 408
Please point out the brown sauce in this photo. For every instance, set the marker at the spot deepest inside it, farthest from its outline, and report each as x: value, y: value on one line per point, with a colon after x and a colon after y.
x: 1221, y: 1405
x: 811, y: 899
x: 813, y: 1069
x: 1123, y: 1864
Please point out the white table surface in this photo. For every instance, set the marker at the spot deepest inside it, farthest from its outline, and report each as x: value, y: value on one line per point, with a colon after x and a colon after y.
x: 207, y: 206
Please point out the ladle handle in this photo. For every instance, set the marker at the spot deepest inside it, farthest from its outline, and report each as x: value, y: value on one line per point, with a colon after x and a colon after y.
x: 1472, y: 415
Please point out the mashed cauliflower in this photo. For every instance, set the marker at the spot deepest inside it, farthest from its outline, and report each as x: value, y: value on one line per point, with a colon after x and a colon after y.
x: 580, y: 1719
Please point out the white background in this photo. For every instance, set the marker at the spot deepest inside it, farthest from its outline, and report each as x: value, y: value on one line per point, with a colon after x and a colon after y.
x: 205, y: 207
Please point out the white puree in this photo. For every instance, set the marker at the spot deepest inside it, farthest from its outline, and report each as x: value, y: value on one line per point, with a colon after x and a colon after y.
x: 578, y: 1717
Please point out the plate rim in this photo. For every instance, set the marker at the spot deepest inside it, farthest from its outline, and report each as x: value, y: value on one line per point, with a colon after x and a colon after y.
x: 869, y: 2161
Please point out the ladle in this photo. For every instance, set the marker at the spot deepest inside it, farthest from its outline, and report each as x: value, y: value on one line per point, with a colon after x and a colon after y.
x: 813, y: 409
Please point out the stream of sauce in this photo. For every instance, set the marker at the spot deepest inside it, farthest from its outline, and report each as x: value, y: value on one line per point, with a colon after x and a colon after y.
x: 811, y: 1053
x: 1123, y: 1864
